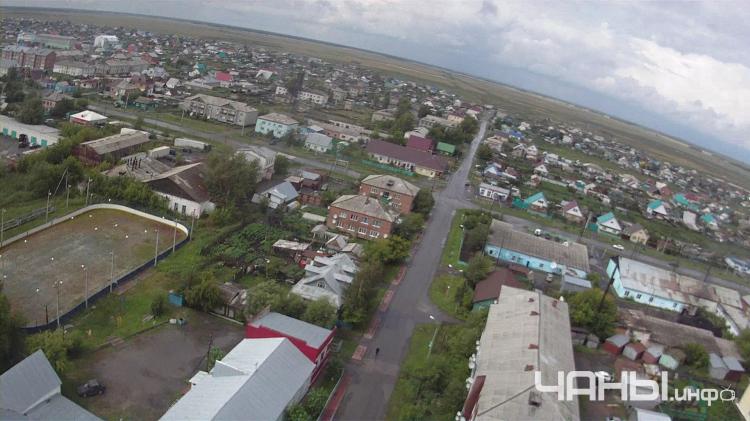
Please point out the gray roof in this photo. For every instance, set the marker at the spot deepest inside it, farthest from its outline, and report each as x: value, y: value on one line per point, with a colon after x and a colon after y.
x: 32, y: 388
x: 389, y: 182
x: 335, y: 273
x: 318, y: 139
x: 715, y: 361
x: 258, y: 380
x: 279, y: 118
x: 619, y: 340
x: 733, y: 364
x: 26, y: 383
x: 364, y: 205
x: 573, y: 255
x: 220, y: 102
x: 117, y: 142
x: 519, y: 319
x: 313, y: 335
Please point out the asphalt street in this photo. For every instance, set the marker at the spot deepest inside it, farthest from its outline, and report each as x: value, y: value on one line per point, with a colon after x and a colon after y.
x: 374, y: 378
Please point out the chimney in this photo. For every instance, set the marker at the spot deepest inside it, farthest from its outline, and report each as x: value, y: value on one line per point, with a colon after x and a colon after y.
x: 535, y: 398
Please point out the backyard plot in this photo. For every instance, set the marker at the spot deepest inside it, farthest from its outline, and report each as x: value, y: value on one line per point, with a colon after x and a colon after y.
x: 74, y: 259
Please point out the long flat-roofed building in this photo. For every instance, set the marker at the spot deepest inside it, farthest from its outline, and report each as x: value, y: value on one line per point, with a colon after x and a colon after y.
x: 505, y: 243
x: 526, y: 332
x: 116, y: 146
x: 220, y: 109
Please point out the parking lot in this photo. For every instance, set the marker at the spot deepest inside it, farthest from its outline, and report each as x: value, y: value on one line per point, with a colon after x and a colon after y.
x: 146, y: 374
x: 9, y: 147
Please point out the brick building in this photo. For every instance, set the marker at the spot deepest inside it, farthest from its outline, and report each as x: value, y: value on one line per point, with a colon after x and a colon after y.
x: 361, y: 216
x: 391, y: 191
x: 32, y: 58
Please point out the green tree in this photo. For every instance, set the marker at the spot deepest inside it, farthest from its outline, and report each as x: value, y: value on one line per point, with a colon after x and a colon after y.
x: 57, y: 347
x: 475, y: 238
x: 479, y: 267
x: 484, y: 153
x: 423, y: 202
x: 31, y: 111
x: 410, y: 225
x: 297, y: 412
x: 138, y: 125
x: 12, y: 343
x: 205, y: 296
x: 696, y: 356
x: 423, y: 111
x: 230, y: 178
x: 214, y: 355
x: 62, y: 107
x: 158, y: 305
x: 265, y: 294
x: 584, y: 312
x: 320, y: 312
x: 743, y: 344
x: 391, y: 250
x: 357, y: 298
x: 315, y: 401
x: 289, y: 304
x: 281, y: 165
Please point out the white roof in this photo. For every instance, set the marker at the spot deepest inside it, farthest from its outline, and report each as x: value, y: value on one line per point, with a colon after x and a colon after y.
x: 88, y: 116
x: 258, y: 379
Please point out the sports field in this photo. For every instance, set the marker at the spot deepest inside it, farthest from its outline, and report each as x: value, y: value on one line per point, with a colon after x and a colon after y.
x: 78, y: 253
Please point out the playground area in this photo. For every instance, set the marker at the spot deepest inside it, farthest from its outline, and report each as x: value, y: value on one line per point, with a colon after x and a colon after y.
x: 74, y: 259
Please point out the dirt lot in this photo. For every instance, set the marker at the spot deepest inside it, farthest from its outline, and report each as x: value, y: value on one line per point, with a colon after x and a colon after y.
x: 57, y: 253
x: 147, y: 373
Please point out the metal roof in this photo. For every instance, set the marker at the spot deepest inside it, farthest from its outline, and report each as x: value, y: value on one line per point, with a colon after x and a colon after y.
x: 389, y: 182
x: 279, y: 118
x: 525, y: 332
x: 258, y: 379
x: 61, y: 408
x: 364, y: 205
x: 117, y: 142
x: 573, y: 255
x: 24, y: 384
x: 313, y: 335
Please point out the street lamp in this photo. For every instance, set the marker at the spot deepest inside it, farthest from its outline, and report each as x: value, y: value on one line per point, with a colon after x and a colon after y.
x: 2, y: 226
x: 112, y: 271
x: 434, y: 335
x: 37, y: 296
x: 58, y: 285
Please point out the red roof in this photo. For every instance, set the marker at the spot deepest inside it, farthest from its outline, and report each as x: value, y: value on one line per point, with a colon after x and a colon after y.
x: 570, y: 205
x: 420, y: 143
x: 402, y: 153
x: 223, y: 76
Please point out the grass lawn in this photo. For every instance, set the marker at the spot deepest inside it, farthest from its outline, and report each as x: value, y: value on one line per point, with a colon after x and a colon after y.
x: 418, y: 349
x: 452, y: 248
x: 75, y: 203
x: 444, y: 292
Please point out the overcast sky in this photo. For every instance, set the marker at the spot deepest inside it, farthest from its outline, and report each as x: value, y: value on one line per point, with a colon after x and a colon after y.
x: 681, y: 67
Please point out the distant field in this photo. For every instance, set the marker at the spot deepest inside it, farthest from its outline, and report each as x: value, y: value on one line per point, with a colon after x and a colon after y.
x: 57, y: 253
x: 509, y: 99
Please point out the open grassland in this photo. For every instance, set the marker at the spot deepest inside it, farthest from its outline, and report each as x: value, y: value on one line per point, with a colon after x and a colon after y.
x: 31, y: 266
x: 513, y: 100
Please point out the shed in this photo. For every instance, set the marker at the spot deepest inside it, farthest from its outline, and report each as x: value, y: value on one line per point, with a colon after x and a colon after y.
x: 716, y: 367
x: 615, y: 344
x: 574, y: 284
x: 735, y: 369
x: 634, y: 350
x: 672, y: 359
x: 653, y: 353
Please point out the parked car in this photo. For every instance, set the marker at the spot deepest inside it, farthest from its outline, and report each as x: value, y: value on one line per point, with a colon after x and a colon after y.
x: 91, y: 388
x: 618, y: 247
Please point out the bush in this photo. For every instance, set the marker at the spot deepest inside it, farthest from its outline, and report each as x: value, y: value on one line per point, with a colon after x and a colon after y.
x: 321, y: 313
x: 696, y: 356
x: 204, y: 296
x: 479, y: 267
x: 584, y: 312
x: 158, y: 305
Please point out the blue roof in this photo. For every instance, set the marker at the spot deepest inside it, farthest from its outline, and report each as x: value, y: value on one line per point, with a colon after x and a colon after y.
x: 680, y: 198
x: 606, y: 217
x: 654, y: 204
x: 534, y: 197
x: 708, y: 218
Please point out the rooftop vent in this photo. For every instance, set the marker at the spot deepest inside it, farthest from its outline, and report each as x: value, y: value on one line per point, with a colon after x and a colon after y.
x: 534, y: 313
x: 535, y: 398
x: 531, y: 300
x: 533, y: 346
x: 529, y: 367
x: 390, y: 183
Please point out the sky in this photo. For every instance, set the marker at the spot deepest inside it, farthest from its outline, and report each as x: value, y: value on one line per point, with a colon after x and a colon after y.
x: 679, y: 67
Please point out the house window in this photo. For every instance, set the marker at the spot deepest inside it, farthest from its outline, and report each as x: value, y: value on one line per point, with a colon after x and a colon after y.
x: 342, y: 215
x: 184, y: 209
x: 376, y: 223
x: 339, y: 224
x: 638, y: 297
x: 627, y: 293
x: 650, y: 299
x: 374, y: 233
x: 364, y: 220
x: 674, y: 305
x: 362, y: 230
x: 351, y: 227
x: 354, y: 217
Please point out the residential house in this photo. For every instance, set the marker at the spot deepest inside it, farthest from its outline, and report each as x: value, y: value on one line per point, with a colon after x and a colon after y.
x: 608, y: 223
x: 258, y: 378
x: 74, y: 68
x: 220, y: 109
x: 383, y: 115
x: 185, y: 189
x: 280, y: 195
x: 446, y: 149
x: 392, y: 191
x: 541, y: 169
x: 313, y: 341
x: 536, y: 253
x: 657, y: 209
x: 430, y: 121
x: 327, y: 278
x: 265, y: 157
x: 49, y: 101
x: 572, y: 212
x: 276, y: 124
x: 421, y: 143
x: 412, y: 160
x: 318, y: 142
x: 527, y: 333
x: 31, y: 390
x: 636, y: 234
x: 537, y: 203
x: 493, y: 192
x: 360, y: 216
x: 709, y: 220
x: 488, y: 290
x: 316, y: 97
x: 233, y: 301
x: 88, y: 118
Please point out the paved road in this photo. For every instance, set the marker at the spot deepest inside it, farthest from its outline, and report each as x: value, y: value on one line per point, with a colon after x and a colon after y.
x: 373, y: 380
x: 232, y: 139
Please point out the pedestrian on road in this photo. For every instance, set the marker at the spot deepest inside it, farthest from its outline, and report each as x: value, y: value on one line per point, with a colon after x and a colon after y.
x: 377, y: 351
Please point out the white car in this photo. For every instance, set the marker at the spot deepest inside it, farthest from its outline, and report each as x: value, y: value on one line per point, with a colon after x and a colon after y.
x: 618, y: 247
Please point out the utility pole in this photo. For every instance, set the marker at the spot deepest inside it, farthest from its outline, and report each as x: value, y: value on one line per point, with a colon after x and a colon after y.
x: 588, y: 219
x: 85, y: 285
x: 156, y: 248
x: 192, y: 224
x: 67, y: 191
x: 208, y: 352
x: 58, y: 285
x: 2, y: 226
x: 46, y: 213
x: 88, y: 185
x: 174, y: 237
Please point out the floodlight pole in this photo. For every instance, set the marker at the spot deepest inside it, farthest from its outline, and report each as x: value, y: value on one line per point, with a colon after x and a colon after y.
x: 67, y: 191
x: 46, y: 211
x: 85, y: 286
x: 174, y: 237
x: 2, y: 226
x: 58, y: 285
x: 88, y: 185
x: 156, y: 248
x: 192, y: 224
x: 112, y: 272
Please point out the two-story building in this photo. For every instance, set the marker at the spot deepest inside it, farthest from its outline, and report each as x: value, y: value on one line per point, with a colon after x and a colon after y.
x: 392, y: 191
x: 361, y: 216
x: 220, y: 109
x: 276, y: 124
x: 316, y: 97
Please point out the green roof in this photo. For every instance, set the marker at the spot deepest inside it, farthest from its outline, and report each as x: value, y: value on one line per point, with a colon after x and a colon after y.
x: 446, y: 147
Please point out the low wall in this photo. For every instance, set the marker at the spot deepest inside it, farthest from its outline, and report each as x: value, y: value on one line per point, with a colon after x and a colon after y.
x: 64, y: 318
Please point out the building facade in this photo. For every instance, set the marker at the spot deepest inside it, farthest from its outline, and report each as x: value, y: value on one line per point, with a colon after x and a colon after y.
x: 392, y: 191
x: 30, y: 57
x: 220, y: 109
x: 360, y: 216
x: 276, y: 124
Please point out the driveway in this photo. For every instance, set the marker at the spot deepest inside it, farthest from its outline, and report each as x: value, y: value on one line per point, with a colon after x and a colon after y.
x: 373, y: 380
x: 149, y: 372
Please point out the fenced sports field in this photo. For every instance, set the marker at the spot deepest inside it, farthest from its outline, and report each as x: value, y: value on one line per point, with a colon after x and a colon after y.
x: 73, y: 259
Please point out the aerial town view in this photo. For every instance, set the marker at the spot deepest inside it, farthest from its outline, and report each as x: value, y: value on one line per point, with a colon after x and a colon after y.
x: 374, y: 210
